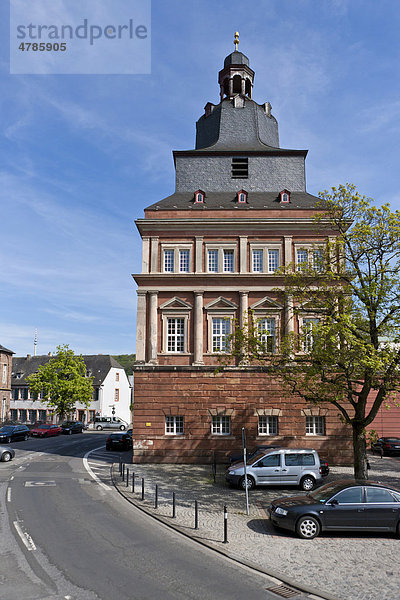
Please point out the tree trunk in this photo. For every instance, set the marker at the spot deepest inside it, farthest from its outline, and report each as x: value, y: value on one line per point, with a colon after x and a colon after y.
x: 360, y: 452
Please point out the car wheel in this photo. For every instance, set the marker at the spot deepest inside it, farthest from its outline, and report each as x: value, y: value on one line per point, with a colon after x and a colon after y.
x: 250, y: 483
x: 6, y: 456
x: 122, y: 428
x: 307, y: 483
x: 26, y: 436
x: 307, y: 528
x: 99, y: 428
x: 8, y: 440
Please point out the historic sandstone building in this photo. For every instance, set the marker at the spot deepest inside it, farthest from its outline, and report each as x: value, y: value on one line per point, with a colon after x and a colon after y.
x: 211, y: 252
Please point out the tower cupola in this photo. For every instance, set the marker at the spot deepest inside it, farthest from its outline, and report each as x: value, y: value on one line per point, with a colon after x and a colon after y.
x: 236, y: 77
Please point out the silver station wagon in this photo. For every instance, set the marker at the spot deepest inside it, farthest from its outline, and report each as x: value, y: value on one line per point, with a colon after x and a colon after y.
x: 284, y: 466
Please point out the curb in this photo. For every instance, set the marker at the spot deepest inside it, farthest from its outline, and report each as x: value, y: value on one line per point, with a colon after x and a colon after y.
x: 271, y: 572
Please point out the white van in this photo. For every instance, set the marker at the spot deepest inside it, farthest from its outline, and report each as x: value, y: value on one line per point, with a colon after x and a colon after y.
x: 283, y: 466
x: 101, y: 423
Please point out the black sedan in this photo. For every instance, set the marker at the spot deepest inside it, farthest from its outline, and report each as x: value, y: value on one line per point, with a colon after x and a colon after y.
x: 119, y: 441
x: 70, y: 427
x: 11, y: 433
x: 386, y: 446
x: 346, y: 505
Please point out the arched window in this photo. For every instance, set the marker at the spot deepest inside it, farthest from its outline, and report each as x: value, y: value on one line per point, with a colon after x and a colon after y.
x: 242, y: 197
x: 199, y: 197
x: 285, y: 196
x: 237, y: 84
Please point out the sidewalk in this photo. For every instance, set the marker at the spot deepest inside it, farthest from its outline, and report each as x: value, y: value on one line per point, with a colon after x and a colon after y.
x: 336, y: 566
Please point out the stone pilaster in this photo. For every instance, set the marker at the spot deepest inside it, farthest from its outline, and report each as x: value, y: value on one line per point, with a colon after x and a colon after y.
x: 141, y: 327
x: 154, y: 255
x: 243, y: 254
x: 145, y: 254
x: 199, y: 255
x: 153, y: 337
x: 198, y: 328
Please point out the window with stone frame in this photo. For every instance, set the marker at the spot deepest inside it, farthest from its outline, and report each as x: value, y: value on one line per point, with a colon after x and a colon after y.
x: 229, y: 256
x: 267, y: 425
x: 116, y: 395
x: 257, y: 260
x: 4, y: 373
x: 273, y: 261
x: 184, y: 261
x: 13, y: 414
x: 221, y: 425
x: 174, y: 425
x: 265, y: 258
x: 221, y: 329
x: 213, y: 261
x: 266, y: 328
x: 301, y: 259
x: 308, y: 332
x: 175, y: 334
x: 169, y: 260
x: 315, y: 425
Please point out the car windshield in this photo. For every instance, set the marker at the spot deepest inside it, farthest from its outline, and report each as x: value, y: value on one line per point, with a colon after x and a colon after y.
x: 256, y: 457
x: 395, y: 440
x: 327, y: 491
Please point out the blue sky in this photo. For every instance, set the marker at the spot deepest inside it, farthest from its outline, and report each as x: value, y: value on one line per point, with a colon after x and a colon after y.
x: 83, y: 155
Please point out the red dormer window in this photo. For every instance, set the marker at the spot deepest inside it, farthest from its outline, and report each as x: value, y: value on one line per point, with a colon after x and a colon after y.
x: 199, y: 197
x: 285, y: 196
x: 242, y: 197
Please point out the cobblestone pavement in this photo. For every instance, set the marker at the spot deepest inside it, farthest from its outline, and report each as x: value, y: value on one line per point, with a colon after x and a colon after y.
x: 339, y: 566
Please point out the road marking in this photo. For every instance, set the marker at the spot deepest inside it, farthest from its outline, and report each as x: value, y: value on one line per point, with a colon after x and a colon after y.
x: 9, y: 495
x: 39, y: 483
x: 25, y: 537
x: 89, y: 470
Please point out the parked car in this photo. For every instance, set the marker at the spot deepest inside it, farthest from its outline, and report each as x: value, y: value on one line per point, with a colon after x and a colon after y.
x: 119, y: 441
x: 101, y: 423
x: 6, y: 453
x: 346, y: 505
x: 282, y: 466
x: 69, y: 427
x: 238, y: 456
x: 12, y: 433
x: 45, y: 430
x: 388, y: 446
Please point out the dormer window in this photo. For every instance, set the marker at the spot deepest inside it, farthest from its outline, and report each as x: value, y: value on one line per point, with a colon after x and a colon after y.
x: 285, y: 196
x: 242, y: 197
x: 199, y: 197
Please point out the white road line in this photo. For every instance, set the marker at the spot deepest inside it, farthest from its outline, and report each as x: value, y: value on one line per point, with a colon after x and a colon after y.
x: 9, y: 495
x: 89, y: 470
x: 25, y: 537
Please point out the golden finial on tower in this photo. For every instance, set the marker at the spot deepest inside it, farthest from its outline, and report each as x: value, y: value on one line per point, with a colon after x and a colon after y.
x: 236, y: 40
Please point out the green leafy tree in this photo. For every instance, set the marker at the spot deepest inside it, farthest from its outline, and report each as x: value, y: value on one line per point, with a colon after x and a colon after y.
x: 348, y: 355
x: 63, y: 382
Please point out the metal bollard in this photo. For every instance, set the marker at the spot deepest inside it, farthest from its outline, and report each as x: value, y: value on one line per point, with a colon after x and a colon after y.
x: 123, y: 471
x: 120, y: 466
x: 225, y: 525
x: 127, y: 477
x: 133, y: 483
x: 196, y: 515
x: 173, y: 505
x: 142, y: 488
x: 156, y: 498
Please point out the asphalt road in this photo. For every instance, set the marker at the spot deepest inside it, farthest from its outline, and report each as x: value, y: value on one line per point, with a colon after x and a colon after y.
x: 63, y: 536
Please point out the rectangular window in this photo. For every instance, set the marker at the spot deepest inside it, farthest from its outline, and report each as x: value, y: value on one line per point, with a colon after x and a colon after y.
x: 32, y: 416
x: 315, y: 425
x: 15, y: 394
x: 116, y: 376
x: 318, y: 260
x: 116, y: 395
x: 267, y: 425
x: 13, y: 414
x: 273, y: 260
x: 92, y: 414
x: 302, y: 260
x: 240, y: 168
x: 42, y: 415
x: 173, y: 425
x: 22, y: 415
x: 257, y: 261
x: 96, y: 394
x: 221, y: 425
x: 169, y: 261
x: 308, y: 333
x: 221, y: 329
x: 184, y: 261
x: 4, y: 373
x: 266, y: 332
x: 228, y: 261
x: 176, y: 335
x: 213, y: 261
x: 24, y: 393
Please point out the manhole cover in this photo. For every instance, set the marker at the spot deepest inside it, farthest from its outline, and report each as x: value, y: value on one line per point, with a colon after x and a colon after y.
x: 283, y: 591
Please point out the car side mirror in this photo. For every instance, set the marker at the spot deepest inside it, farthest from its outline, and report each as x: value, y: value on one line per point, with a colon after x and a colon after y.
x: 334, y: 502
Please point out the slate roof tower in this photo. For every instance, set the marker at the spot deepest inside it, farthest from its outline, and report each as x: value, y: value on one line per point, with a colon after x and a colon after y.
x: 211, y: 252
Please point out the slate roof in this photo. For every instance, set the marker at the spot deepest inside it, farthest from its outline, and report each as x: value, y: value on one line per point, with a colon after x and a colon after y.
x: 98, y: 365
x: 5, y: 350
x: 228, y: 200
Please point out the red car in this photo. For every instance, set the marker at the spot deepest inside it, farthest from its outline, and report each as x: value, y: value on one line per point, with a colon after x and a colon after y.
x: 45, y: 430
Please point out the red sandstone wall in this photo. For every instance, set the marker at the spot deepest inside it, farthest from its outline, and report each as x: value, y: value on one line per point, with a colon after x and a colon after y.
x: 192, y: 394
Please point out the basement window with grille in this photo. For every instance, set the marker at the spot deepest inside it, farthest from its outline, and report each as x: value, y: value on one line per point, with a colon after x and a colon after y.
x: 240, y: 168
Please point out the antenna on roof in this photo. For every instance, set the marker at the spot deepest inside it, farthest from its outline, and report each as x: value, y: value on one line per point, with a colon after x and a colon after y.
x: 35, y: 343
